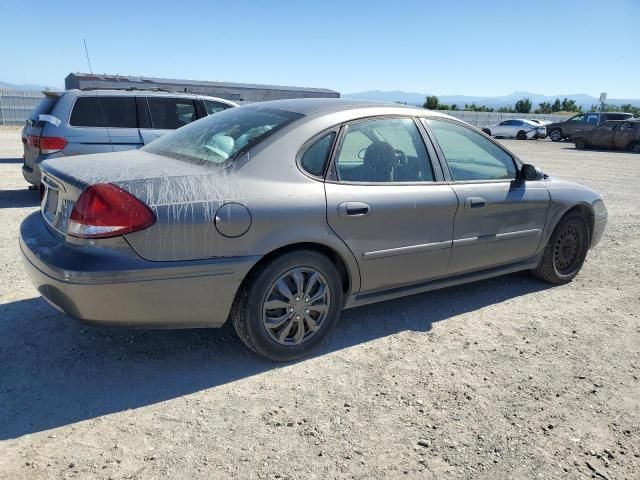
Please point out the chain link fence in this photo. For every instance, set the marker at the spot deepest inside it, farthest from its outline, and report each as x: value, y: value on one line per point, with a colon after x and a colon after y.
x: 16, y: 105
x: 482, y: 119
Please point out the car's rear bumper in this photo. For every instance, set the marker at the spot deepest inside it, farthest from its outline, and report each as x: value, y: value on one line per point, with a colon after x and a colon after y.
x: 111, y: 286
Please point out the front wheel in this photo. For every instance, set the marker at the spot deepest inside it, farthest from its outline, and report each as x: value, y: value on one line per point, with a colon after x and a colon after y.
x: 581, y: 143
x: 636, y: 147
x: 566, y: 251
x: 555, y: 135
x: 288, y: 307
x: 521, y: 135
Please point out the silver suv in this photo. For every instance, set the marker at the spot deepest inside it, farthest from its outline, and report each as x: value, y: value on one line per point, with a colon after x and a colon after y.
x: 78, y: 122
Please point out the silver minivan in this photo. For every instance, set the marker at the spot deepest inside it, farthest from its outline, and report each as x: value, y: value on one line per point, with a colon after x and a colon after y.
x: 78, y: 122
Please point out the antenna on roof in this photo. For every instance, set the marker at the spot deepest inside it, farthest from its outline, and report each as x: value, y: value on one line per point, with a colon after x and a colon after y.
x: 86, y: 51
x: 104, y: 118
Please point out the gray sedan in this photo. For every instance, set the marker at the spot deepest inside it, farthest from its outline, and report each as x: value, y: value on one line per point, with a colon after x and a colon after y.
x: 276, y: 216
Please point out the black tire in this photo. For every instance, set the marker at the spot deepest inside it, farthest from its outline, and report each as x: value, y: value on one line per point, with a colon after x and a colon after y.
x: 635, y: 148
x: 555, y: 134
x: 521, y: 135
x: 487, y: 131
x: 247, y: 314
x: 560, y: 263
x: 581, y: 144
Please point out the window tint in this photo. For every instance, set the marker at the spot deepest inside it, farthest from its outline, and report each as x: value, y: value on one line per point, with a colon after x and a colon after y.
x: 215, y: 107
x: 171, y: 113
x: 218, y: 138
x: 471, y: 156
x: 117, y: 112
x: 505, y: 123
x: 315, y: 157
x: 578, y: 119
x: 630, y: 125
x: 43, y: 108
x: 384, y: 150
x: 592, y: 119
x: 608, y: 126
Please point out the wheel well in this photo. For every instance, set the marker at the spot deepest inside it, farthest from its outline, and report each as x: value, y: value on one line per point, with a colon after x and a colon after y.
x: 587, y: 213
x: 335, y: 258
x: 632, y: 144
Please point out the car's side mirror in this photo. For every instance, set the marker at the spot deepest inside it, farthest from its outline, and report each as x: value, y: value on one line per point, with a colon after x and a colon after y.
x: 531, y: 172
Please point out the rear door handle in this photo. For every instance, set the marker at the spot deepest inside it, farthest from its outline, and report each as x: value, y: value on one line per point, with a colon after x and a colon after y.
x: 354, y: 209
x: 474, y: 202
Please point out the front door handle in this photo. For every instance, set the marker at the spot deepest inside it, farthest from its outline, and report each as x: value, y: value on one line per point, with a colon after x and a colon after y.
x: 354, y: 209
x: 474, y: 202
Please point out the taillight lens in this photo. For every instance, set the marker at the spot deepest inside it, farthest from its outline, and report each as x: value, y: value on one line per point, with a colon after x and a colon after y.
x: 104, y: 210
x: 47, y: 144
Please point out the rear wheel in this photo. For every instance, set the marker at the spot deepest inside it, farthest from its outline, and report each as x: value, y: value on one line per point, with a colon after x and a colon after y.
x: 565, y: 253
x: 521, y: 135
x: 288, y: 307
x: 581, y: 143
x: 555, y: 135
x: 635, y: 148
x: 487, y: 131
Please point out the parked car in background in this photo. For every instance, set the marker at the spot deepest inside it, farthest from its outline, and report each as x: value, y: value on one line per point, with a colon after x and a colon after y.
x: 540, y: 121
x: 583, y: 121
x: 521, y: 129
x: 78, y: 122
x: 277, y: 215
x: 615, y: 134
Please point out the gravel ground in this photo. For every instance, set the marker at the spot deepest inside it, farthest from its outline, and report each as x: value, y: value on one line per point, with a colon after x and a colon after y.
x: 505, y: 378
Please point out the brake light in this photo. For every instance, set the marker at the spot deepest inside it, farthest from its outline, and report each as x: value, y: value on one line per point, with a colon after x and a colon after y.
x: 47, y: 144
x: 104, y: 210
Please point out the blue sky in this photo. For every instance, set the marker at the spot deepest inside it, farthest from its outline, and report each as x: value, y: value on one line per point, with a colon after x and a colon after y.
x: 445, y: 47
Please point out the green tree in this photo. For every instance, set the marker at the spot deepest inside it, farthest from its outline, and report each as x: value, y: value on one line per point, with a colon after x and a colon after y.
x: 544, y: 107
x: 557, y: 106
x: 454, y: 107
x: 443, y: 106
x: 569, y: 106
x: 431, y: 103
x: 523, y: 105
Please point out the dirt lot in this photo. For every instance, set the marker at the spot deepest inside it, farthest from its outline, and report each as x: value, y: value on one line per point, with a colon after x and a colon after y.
x: 505, y: 378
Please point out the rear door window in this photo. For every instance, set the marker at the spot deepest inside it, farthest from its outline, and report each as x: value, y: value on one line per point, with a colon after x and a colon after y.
x: 113, y: 112
x: 171, y: 113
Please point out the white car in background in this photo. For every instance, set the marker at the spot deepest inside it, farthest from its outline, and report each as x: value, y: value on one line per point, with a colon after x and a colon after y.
x: 519, y: 128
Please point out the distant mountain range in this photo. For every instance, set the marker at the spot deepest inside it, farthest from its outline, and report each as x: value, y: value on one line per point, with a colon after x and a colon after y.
x: 27, y: 86
x: 413, y: 98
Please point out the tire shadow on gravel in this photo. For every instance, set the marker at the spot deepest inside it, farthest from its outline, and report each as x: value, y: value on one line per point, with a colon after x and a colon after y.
x: 19, y: 198
x: 55, y: 371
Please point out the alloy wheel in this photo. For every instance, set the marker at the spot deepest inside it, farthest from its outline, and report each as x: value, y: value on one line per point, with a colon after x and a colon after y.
x: 296, y: 306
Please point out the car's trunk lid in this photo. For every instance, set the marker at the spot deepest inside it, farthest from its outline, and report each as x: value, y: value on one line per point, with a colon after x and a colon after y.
x: 183, y: 196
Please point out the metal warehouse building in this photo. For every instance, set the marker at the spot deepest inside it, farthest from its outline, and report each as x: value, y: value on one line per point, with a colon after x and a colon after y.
x: 238, y: 92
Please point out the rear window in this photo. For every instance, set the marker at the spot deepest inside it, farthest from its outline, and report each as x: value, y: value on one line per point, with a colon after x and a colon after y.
x: 113, y: 112
x: 171, y: 113
x: 43, y: 108
x: 215, y: 107
x: 220, y: 137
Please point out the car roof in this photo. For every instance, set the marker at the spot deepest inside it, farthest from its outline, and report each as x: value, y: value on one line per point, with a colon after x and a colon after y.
x: 310, y: 106
x: 133, y: 92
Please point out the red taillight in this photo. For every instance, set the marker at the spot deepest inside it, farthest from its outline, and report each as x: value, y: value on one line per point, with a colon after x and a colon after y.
x: 47, y: 144
x: 104, y: 210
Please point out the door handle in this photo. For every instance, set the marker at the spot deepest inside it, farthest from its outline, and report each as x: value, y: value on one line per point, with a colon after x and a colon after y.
x: 474, y: 202
x: 354, y: 209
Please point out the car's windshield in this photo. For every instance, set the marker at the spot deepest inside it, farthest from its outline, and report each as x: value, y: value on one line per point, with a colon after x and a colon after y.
x: 218, y: 138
